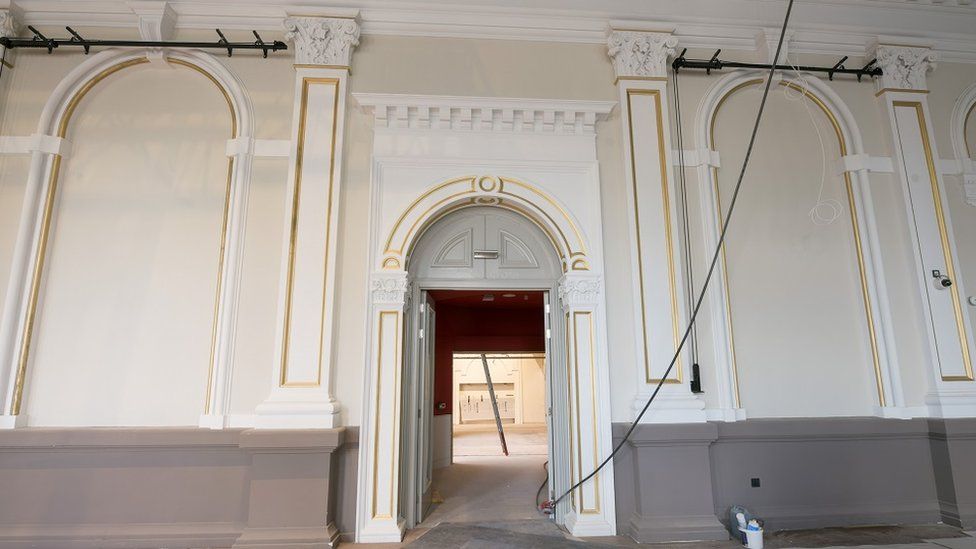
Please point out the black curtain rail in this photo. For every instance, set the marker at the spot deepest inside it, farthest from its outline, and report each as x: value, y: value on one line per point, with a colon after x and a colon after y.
x: 708, y: 65
x: 76, y: 40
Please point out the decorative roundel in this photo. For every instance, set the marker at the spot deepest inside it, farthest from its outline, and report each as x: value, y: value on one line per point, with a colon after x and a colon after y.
x: 488, y: 183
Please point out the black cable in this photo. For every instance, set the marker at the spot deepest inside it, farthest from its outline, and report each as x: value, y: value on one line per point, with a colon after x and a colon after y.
x: 711, y: 267
x: 686, y: 227
x: 545, y: 467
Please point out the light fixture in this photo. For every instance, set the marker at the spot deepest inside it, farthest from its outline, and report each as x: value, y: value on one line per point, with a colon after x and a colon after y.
x: 488, y: 297
x: 508, y: 295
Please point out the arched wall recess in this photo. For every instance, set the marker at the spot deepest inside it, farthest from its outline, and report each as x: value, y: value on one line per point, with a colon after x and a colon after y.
x: 25, y: 285
x: 890, y: 400
x: 960, y: 124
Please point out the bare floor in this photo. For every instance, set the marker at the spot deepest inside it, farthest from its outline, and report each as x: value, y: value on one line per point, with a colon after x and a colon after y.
x: 488, y: 500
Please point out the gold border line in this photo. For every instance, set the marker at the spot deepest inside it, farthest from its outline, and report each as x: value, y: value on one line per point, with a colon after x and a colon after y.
x: 48, y: 212
x: 855, y: 230
x: 293, y: 235
x: 667, y: 231
x: 944, y: 238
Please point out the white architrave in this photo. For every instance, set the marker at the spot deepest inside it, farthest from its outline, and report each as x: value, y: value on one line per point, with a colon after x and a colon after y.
x: 435, y: 155
x: 301, y: 393
x: 640, y: 61
x: 887, y: 373
x: 903, y: 92
x: 964, y: 108
x: 21, y: 294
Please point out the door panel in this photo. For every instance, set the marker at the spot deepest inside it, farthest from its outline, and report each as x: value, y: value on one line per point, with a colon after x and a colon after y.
x: 425, y: 465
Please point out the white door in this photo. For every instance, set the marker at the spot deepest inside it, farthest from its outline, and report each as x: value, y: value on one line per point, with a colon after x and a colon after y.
x: 425, y: 377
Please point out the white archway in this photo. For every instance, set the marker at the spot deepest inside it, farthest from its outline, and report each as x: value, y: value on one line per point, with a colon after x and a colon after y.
x: 865, y: 234
x: 16, y: 324
x: 962, y: 111
x: 590, y: 511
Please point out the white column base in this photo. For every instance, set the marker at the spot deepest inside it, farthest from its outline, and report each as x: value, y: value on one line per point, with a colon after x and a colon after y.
x: 381, y: 531
x: 952, y: 403
x: 13, y: 422
x: 671, y: 408
x: 212, y: 421
x: 292, y: 414
x: 589, y: 525
x: 724, y: 414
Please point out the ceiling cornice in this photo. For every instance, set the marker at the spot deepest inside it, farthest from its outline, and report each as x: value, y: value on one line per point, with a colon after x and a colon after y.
x: 836, y: 27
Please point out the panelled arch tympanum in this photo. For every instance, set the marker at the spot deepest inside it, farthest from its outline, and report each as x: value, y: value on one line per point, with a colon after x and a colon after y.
x: 27, y: 272
x: 889, y: 399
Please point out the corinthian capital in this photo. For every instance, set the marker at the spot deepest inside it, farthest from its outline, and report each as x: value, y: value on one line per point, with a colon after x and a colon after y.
x: 644, y: 54
x: 904, y: 67
x: 579, y: 290
x: 8, y: 23
x: 322, y: 40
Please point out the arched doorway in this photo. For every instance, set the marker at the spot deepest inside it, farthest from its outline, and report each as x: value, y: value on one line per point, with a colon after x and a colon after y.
x: 499, y: 253
x: 542, y: 227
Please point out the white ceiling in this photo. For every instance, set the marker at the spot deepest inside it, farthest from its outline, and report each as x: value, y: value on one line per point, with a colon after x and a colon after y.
x: 841, y: 27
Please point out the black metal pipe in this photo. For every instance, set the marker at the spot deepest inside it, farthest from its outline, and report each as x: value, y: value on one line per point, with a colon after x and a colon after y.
x: 51, y: 43
x: 717, y: 64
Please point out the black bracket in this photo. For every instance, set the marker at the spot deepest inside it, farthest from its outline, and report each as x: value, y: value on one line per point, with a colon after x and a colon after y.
x: 38, y: 40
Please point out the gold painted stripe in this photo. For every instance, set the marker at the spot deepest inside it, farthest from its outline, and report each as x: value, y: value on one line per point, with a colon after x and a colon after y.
x: 944, y: 238
x: 898, y: 90
x: 379, y: 402
x: 293, y: 239
x: 656, y: 94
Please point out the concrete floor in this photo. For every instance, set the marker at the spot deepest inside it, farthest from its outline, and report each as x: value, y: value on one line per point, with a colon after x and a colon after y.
x: 488, y: 500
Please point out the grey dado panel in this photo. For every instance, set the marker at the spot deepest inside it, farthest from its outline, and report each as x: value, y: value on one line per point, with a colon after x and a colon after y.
x: 169, y: 487
x: 812, y: 473
x: 819, y: 472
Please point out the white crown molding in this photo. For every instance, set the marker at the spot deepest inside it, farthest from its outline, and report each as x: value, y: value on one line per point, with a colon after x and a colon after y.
x: 836, y: 27
x: 439, y: 112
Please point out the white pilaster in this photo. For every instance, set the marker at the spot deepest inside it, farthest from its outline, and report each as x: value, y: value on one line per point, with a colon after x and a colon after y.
x: 378, y: 517
x: 591, y: 510
x: 640, y: 60
x: 301, y: 396
x: 903, y: 92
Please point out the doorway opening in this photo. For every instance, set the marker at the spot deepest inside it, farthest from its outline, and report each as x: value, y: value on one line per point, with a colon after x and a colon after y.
x: 482, y: 283
x: 472, y: 478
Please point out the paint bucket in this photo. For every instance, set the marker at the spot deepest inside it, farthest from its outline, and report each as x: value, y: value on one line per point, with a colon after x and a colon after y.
x: 754, y: 538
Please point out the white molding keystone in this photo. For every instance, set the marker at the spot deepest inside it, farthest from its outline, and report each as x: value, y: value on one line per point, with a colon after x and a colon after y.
x: 322, y: 40
x: 640, y: 54
x: 904, y: 67
x: 157, y: 20
x: 767, y: 40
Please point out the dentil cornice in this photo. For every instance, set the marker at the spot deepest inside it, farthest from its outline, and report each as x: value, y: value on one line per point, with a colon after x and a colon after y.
x: 322, y: 40
x: 904, y: 67
x: 638, y: 53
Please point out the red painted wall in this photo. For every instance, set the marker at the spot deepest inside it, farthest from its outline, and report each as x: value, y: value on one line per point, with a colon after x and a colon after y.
x: 468, y: 329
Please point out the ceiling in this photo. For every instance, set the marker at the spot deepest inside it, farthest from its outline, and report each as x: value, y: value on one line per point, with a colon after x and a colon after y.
x: 474, y: 299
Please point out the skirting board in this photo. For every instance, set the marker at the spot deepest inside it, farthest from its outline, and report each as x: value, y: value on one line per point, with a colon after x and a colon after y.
x: 121, y: 536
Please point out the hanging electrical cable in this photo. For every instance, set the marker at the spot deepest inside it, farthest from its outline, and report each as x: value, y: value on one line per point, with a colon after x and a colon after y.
x: 686, y: 233
x: 711, y: 266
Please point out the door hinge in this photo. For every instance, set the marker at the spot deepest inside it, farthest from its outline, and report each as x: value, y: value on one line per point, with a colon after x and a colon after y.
x: 548, y: 333
x: 547, y: 308
x: 421, y: 333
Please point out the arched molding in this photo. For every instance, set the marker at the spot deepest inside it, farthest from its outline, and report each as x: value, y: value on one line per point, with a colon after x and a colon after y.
x: 535, y: 204
x: 27, y: 269
x: 964, y: 113
x: 890, y: 399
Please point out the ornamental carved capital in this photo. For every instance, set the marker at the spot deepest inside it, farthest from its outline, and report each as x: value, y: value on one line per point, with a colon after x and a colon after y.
x: 9, y: 25
x: 643, y: 54
x: 904, y: 67
x: 969, y: 187
x: 322, y: 40
x: 579, y: 290
x: 390, y: 289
